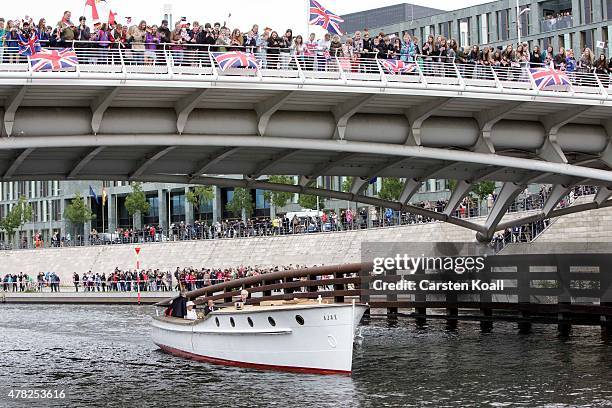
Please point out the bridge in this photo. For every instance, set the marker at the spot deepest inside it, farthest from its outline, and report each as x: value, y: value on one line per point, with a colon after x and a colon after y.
x: 185, y: 120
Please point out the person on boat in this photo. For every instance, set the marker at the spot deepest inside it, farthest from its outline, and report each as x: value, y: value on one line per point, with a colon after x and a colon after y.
x: 210, y: 307
x: 191, y: 313
x: 244, y: 295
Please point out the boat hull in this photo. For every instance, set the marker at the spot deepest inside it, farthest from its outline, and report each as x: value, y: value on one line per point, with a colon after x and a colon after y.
x: 306, y: 339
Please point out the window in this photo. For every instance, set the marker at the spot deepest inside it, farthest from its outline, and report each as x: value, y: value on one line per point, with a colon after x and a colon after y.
x: 250, y: 321
x: 232, y: 322
x: 177, y: 207
x: 525, y: 22
x: 587, y: 10
x: 464, y: 32
x: 271, y: 321
x: 445, y: 29
x: 609, y: 9
x: 217, y: 322
x: 503, y: 24
x: 299, y: 319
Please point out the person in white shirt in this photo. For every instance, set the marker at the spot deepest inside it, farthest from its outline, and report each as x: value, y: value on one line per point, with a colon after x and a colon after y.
x: 191, y: 313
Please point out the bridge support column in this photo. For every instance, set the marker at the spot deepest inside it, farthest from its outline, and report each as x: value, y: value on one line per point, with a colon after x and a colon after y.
x: 112, y: 213
x: 162, y: 197
x: 217, y: 207
x: 189, y: 210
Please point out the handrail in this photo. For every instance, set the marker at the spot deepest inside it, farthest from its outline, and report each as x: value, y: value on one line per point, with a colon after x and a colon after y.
x: 248, y: 282
x: 186, y: 60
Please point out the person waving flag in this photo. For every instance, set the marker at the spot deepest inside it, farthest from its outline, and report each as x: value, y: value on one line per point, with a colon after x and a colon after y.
x: 29, y: 46
x: 321, y: 16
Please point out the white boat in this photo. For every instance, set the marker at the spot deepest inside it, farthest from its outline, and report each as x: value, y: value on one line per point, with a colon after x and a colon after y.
x: 299, y: 336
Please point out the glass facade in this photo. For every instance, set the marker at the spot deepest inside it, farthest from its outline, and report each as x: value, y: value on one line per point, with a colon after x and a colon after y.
x: 177, y: 207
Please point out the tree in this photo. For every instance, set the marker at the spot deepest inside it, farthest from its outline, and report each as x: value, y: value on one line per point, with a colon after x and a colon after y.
x: 391, y: 189
x: 20, y: 214
x: 242, y: 200
x: 279, y: 198
x: 200, y: 195
x: 77, y: 212
x: 346, y: 184
x: 307, y: 201
x: 483, y: 189
x: 136, y: 201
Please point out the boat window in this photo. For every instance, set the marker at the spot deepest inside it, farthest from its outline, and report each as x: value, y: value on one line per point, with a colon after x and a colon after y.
x: 217, y: 321
x: 271, y: 321
x: 250, y: 321
x: 299, y: 319
x: 232, y: 322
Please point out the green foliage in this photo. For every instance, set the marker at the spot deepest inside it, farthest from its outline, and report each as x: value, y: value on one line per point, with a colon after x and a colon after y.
x: 391, y: 189
x: 279, y: 198
x: 200, y: 195
x: 242, y: 200
x: 483, y: 189
x: 136, y: 201
x: 452, y: 184
x: 308, y: 201
x: 346, y: 184
x: 21, y: 213
x: 77, y: 212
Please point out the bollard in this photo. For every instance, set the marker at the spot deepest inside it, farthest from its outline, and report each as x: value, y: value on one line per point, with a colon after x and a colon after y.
x: 486, y: 325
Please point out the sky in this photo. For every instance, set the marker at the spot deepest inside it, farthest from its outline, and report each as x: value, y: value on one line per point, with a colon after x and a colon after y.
x: 244, y: 13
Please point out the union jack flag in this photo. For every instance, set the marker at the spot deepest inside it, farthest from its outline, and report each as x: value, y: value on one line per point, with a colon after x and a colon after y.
x: 29, y: 46
x: 397, y: 67
x: 54, y: 60
x: 321, y: 16
x: 235, y: 59
x: 548, y: 78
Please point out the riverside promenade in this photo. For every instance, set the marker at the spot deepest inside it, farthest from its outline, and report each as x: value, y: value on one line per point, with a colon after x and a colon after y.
x: 68, y: 295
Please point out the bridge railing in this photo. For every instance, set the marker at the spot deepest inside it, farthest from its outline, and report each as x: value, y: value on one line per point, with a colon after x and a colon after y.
x: 170, y: 60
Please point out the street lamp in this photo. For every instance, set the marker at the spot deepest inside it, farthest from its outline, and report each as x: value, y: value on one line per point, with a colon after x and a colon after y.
x: 519, y: 13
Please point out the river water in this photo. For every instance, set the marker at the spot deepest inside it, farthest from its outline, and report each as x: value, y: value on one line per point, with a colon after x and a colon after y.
x: 101, y: 356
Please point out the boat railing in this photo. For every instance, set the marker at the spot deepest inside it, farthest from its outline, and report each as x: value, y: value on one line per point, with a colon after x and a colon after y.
x: 337, y: 281
x: 193, y: 61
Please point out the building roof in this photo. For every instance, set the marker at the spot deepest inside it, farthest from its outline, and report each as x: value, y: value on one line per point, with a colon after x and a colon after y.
x: 385, y: 16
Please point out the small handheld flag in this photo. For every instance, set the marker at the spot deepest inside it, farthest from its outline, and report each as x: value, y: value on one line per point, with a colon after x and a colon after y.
x: 29, y: 46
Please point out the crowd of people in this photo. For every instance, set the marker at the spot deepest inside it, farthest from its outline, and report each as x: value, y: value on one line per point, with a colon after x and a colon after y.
x: 327, y: 221
x: 156, y: 280
x: 23, y: 282
x: 185, y: 39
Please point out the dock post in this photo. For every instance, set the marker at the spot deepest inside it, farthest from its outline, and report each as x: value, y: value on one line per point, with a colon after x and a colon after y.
x: 486, y: 325
x: 451, y: 322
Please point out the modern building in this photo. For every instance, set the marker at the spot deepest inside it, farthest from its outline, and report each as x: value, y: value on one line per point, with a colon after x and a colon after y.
x: 572, y: 24
x: 385, y: 16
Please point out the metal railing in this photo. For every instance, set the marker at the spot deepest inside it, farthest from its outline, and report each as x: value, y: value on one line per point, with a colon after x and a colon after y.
x: 172, y: 61
x: 361, y: 219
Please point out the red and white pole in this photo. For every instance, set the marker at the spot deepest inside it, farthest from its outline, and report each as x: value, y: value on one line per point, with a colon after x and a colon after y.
x: 137, y: 249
